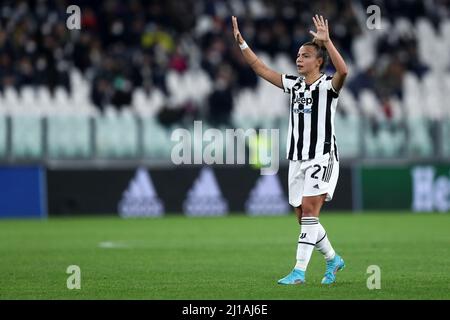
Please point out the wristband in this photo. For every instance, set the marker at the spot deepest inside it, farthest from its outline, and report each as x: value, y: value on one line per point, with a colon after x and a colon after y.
x: 243, y: 46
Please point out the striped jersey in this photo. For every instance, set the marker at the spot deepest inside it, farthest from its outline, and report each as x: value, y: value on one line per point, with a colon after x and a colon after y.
x: 311, y: 120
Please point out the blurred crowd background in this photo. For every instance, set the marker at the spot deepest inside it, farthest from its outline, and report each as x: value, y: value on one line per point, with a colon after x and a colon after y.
x: 136, y: 70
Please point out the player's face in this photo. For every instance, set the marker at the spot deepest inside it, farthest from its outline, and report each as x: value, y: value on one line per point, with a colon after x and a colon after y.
x: 307, y: 60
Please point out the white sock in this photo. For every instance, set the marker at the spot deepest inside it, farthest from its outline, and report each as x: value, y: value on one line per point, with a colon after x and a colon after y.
x: 306, y: 241
x: 323, y: 245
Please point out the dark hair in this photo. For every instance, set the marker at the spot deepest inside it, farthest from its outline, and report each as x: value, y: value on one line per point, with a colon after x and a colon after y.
x: 321, y: 53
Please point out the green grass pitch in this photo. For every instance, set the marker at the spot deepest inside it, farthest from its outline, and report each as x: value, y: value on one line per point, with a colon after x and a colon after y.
x: 235, y: 257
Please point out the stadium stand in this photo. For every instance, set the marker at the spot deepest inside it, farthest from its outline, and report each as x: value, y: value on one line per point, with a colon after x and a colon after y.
x: 137, y: 69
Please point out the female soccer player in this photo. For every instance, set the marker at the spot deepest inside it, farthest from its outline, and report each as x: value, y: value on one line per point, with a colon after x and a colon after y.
x: 311, y: 143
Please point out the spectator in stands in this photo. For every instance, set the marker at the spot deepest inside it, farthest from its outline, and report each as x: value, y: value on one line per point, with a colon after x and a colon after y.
x: 221, y: 100
x: 363, y: 80
x: 125, y: 45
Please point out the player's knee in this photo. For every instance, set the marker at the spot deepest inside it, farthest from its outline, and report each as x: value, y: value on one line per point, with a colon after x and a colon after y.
x: 311, y: 205
x: 308, y: 211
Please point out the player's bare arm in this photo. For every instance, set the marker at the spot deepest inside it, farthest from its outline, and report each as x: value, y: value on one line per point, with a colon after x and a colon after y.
x: 322, y: 36
x: 260, y: 68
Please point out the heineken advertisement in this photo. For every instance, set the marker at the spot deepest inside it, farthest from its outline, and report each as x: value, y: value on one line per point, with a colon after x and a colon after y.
x: 421, y: 188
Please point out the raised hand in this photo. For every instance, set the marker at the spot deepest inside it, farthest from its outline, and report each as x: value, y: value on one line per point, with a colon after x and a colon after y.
x: 318, y: 42
x: 321, y: 33
x: 236, y: 33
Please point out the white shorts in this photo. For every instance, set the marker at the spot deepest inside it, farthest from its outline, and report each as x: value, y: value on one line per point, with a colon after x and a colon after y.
x: 312, y: 178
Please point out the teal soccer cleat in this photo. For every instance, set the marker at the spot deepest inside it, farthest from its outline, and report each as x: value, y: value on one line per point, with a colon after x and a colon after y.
x: 333, y: 266
x: 295, y: 277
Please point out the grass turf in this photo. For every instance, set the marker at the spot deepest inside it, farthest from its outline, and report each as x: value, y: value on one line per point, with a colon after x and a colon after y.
x: 235, y: 257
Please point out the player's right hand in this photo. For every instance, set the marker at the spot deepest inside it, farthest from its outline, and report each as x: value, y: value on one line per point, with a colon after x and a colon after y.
x: 236, y: 33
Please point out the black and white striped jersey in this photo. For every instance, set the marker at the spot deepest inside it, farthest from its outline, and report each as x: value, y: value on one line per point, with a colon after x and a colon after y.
x: 311, y: 121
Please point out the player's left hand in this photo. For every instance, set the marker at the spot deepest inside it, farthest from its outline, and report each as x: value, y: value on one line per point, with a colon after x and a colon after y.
x: 321, y: 33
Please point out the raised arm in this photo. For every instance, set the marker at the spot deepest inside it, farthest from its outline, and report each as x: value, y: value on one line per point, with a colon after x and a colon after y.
x: 252, y: 59
x: 323, y: 36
